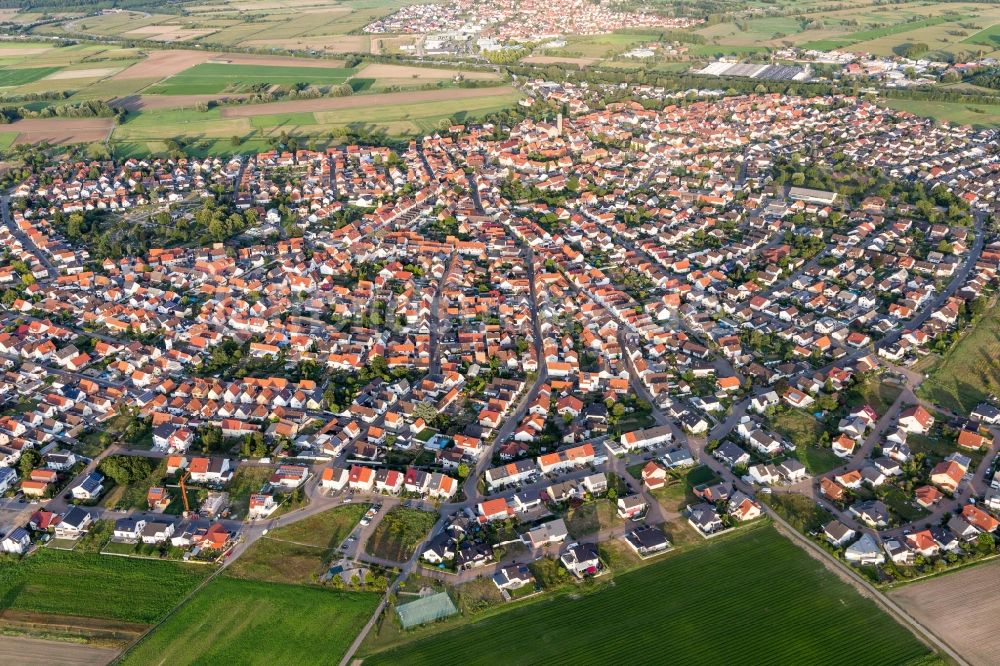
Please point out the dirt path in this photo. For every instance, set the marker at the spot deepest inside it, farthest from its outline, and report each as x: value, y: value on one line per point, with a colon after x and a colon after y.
x: 37, y: 652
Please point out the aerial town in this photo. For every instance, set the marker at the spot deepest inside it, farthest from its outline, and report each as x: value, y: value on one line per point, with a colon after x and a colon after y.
x: 673, y: 352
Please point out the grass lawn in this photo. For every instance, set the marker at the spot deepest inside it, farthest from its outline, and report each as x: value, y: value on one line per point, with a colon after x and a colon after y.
x: 245, y: 622
x: 677, y: 493
x: 880, y: 395
x: 91, y: 585
x: 804, y: 430
x: 970, y: 370
x: 210, y: 78
x: 399, y: 532
x: 904, y: 507
x: 696, y: 604
x: 247, y: 480
x: 133, y: 496
x: 297, y: 552
x: 591, y: 517
x: 801, y: 512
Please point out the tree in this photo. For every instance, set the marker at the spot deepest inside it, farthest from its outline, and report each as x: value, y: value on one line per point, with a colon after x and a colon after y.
x: 463, y: 470
x: 425, y: 411
x: 126, y: 469
x: 29, y: 461
x: 211, y: 437
x: 986, y: 542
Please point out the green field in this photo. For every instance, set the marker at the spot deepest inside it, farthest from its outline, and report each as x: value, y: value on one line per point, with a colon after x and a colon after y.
x: 804, y: 430
x: 989, y: 37
x: 399, y: 532
x: 981, y: 116
x: 970, y: 371
x: 699, y: 607
x: 244, y: 622
x: 211, y: 78
x: 18, y: 77
x: 418, y: 117
x: 7, y: 140
x: 298, y: 552
x: 76, y: 583
x: 283, y: 120
x: 883, y: 31
x: 602, y: 46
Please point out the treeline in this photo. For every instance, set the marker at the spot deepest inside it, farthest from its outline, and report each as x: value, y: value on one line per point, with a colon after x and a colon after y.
x: 989, y: 78
x: 168, y: 7
x: 86, y: 109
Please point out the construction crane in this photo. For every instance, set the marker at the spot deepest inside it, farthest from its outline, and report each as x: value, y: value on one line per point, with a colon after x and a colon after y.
x: 184, y: 495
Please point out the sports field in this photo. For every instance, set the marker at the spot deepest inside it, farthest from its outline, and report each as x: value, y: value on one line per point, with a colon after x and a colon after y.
x: 756, y: 595
x: 91, y: 585
x: 247, y: 622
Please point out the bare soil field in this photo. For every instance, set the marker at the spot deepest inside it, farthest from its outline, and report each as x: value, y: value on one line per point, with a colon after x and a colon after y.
x: 274, y: 61
x: 553, y: 60
x: 154, y: 102
x: 962, y: 608
x: 382, y: 71
x: 37, y: 652
x: 161, y: 64
x: 61, y: 130
x: 23, y: 50
x: 331, y: 43
x: 362, y: 101
x: 97, y: 72
x: 181, y: 34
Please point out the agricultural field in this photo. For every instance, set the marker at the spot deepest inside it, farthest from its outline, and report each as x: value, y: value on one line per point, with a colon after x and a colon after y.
x: 297, y: 553
x: 307, y: 25
x: 91, y: 585
x: 697, y: 605
x: 968, y: 622
x: 209, y: 78
x: 970, y: 371
x: 601, y: 46
x: 980, y: 116
x: 396, y: 114
x: 240, y: 622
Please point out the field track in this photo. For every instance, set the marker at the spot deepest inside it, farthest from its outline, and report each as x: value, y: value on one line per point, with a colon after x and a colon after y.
x: 362, y: 101
x: 36, y: 652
